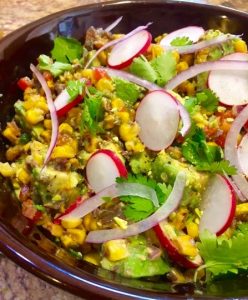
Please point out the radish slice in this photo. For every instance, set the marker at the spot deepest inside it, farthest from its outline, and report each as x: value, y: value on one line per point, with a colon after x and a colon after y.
x: 82, y: 207
x: 63, y: 104
x: 201, y: 45
x: 101, y: 236
x: 230, y: 87
x: 151, y: 87
x: 193, y: 71
x: 123, y: 53
x: 192, y: 32
x: 231, y: 152
x: 52, y: 109
x: 243, y: 154
x: 103, y: 167
x: 172, y: 251
x: 114, y: 42
x: 114, y: 24
x: 219, y: 204
x: 158, y: 118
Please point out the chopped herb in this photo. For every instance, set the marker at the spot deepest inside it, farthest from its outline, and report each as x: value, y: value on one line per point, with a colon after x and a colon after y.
x: 127, y: 91
x: 142, y: 68
x: 181, y: 41
x: 75, y: 88
x: 25, y: 138
x: 56, y: 68
x: 76, y: 254
x: 66, y: 50
x: 40, y: 207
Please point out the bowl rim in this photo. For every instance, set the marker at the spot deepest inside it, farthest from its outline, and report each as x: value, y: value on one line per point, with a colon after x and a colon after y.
x: 56, y: 272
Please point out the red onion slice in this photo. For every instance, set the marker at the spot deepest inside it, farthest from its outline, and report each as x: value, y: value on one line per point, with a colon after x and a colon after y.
x: 113, y: 191
x: 53, y: 114
x: 100, y: 236
x: 235, y: 188
x: 201, y: 45
x: 113, y: 25
x: 151, y: 87
x: 227, y: 65
x: 114, y: 42
x: 231, y: 151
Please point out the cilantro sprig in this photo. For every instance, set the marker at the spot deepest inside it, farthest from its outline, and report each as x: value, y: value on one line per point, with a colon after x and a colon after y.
x: 205, y: 156
x: 56, y: 68
x: 181, y: 41
x: 127, y: 91
x: 137, y: 208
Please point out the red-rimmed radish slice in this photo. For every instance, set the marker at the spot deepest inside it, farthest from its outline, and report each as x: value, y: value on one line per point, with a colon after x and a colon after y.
x: 103, y: 167
x: 231, y: 87
x: 172, y: 250
x: 219, y: 204
x: 192, y: 32
x: 123, y: 53
x: 243, y: 154
x: 158, y: 118
x: 63, y: 104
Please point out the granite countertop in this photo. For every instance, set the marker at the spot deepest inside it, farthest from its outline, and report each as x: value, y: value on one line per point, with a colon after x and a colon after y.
x: 16, y: 283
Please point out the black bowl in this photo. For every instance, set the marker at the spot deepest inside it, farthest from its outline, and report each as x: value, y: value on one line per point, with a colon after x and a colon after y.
x: 34, y: 252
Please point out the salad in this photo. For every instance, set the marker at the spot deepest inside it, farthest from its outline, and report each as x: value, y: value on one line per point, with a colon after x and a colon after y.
x: 130, y: 151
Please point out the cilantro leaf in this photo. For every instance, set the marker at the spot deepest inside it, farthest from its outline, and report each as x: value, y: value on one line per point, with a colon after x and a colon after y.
x: 93, y: 112
x: 75, y: 88
x: 165, y: 67
x: 221, y: 167
x: 66, y: 49
x: 127, y: 91
x: 56, y: 68
x: 224, y: 256
x: 142, y: 68
x: 208, y: 100
x: 181, y: 41
x: 137, y: 208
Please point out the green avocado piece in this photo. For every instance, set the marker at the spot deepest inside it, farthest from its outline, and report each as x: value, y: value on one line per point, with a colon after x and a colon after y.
x: 138, y: 263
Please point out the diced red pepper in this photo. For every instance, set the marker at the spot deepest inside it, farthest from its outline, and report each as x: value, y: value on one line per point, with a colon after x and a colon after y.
x: 24, y: 82
x: 99, y: 74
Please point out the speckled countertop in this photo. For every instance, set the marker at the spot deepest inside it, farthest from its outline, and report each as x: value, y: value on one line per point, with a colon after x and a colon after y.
x: 16, y: 283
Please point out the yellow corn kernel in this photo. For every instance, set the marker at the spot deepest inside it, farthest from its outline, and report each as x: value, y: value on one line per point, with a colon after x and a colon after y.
x: 77, y: 235
x: 192, y: 229
x: 13, y: 152
x: 185, y: 245
x: 182, y: 66
x: 56, y: 198
x: 241, y: 209
x: 240, y: 46
x: 109, y: 122
x: 23, y: 176
x: 105, y: 85
x: 135, y: 146
x: 65, y: 151
x: 179, y: 218
x: 50, y: 84
x: 48, y: 124
x: 117, y: 104
x: 120, y: 222
x: 116, y: 249
x: 117, y: 36
x: 128, y: 131
x: 46, y: 134
x: 92, y: 144
x: 94, y: 225
x: 6, y: 169
x: 156, y: 50
x: 65, y: 128
x: 88, y: 73
x: 34, y: 116
x: 86, y: 221
x: 176, y: 56
x: 190, y: 88
x: 93, y: 258
x: 67, y: 241
x: 202, y: 56
x: 124, y: 116
x: 12, y: 132
x: 71, y: 223
x: 188, y: 58
x: 103, y: 57
x: 200, y: 120
x: 56, y: 230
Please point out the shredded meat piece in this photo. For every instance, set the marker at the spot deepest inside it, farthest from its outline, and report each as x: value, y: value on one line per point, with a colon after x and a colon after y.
x: 96, y: 38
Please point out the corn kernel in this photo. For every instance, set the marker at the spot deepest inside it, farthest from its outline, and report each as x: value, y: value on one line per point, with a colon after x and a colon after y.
x: 240, y: 46
x: 241, y: 209
x: 103, y: 57
x: 124, y: 116
x: 48, y: 124
x: 156, y: 50
x: 6, y: 169
x: 92, y: 145
x: 117, y: 104
x: 188, y: 58
x: 50, y: 84
x: 176, y: 56
x: 120, y: 222
x: 192, y: 229
x: 13, y: 152
x: 128, y: 131
x: 67, y: 241
x: 185, y: 245
x: 65, y: 128
x: 88, y: 73
x: 56, y: 230
x: 86, y: 221
x: 105, y: 85
x: 77, y: 235
x: 23, y: 176
x: 94, y: 225
x: 182, y: 66
x: 135, y: 145
x: 116, y: 249
x: 71, y: 223
x: 46, y: 134
x: 65, y: 151
x: 12, y: 132
x: 109, y: 122
x: 34, y: 116
x: 93, y: 258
